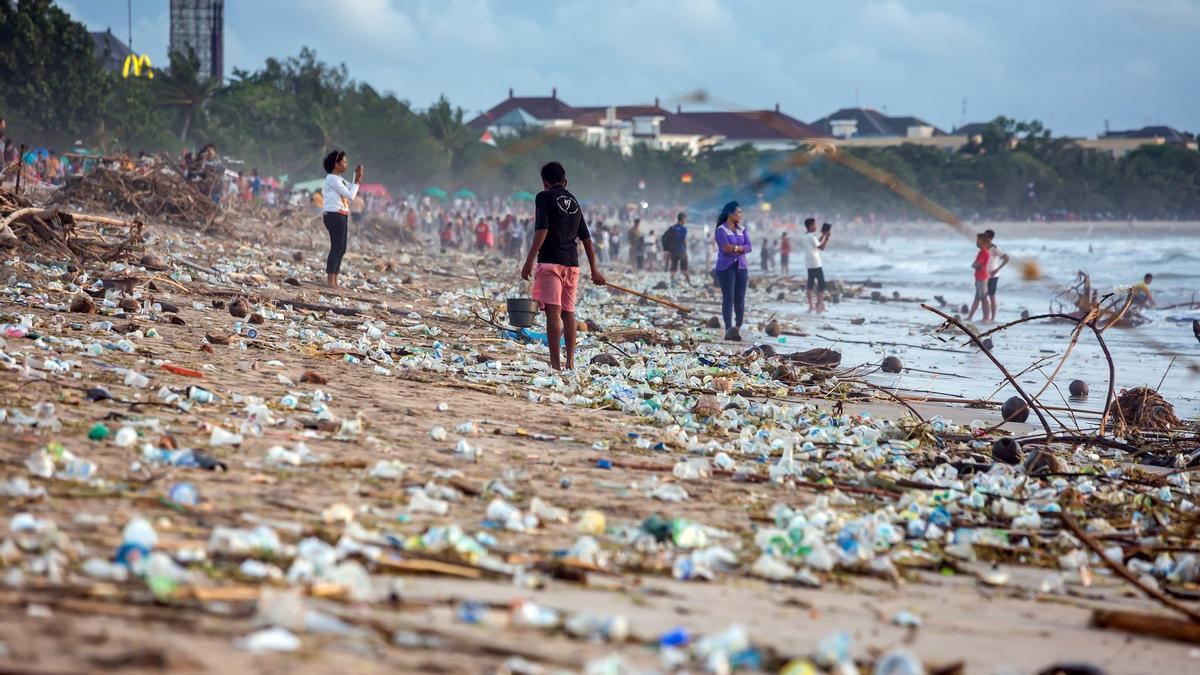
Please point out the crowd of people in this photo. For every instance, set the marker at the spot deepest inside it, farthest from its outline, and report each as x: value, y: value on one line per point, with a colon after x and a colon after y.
x: 635, y: 234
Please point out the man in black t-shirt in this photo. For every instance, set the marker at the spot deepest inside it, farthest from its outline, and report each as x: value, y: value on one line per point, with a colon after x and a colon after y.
x: 559, y: 226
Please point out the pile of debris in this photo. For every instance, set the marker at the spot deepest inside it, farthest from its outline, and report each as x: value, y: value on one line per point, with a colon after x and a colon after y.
x: 1145, y: 409
x: 54, y: 234
x: 379, y: 230
x: 159, y: 195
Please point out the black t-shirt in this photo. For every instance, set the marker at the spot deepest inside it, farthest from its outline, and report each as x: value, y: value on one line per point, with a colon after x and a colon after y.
x: 558, y: 212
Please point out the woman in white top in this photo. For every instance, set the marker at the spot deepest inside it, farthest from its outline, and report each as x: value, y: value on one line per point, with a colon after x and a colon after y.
x: 337, y: 195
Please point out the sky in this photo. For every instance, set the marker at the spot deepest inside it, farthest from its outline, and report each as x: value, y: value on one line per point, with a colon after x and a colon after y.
x: 1073, y: 64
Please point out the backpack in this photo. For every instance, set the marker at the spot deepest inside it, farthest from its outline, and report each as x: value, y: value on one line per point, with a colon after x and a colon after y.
x: 670, y: 240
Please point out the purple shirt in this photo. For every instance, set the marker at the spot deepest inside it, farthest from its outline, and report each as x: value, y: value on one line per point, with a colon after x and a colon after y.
x: 726, y: 234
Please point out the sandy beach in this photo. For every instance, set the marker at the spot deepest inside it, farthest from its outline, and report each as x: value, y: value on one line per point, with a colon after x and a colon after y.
x: 1005, y: 608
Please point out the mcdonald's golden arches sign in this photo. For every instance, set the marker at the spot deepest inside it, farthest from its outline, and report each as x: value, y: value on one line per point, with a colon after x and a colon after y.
x: 139, y: 65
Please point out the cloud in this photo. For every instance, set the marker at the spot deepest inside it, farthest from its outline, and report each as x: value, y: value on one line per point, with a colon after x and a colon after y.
x: 1072, y: 63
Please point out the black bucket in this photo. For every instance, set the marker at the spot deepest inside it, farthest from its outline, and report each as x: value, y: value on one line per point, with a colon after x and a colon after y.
x: 522, y: 312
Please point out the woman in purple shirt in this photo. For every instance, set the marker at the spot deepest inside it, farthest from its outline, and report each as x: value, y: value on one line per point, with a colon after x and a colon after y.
x: 733, y: 243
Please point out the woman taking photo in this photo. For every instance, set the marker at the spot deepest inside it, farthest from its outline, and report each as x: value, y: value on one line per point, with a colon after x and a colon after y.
x: 733, y: 243
x: 337, y: 195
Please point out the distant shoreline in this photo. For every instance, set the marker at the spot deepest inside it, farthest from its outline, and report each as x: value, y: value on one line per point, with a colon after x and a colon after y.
x: 1048, y: 229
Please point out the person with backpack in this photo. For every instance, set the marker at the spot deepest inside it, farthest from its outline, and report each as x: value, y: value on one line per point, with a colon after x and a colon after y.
x: 674, y: 242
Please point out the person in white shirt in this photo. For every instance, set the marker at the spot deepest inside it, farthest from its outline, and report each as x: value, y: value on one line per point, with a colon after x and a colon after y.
x: 813, y: 243
x: 337, y: 195
x: 996, y: 262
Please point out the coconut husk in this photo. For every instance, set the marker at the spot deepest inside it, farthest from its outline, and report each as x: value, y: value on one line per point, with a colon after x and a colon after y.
x: 1145, y: 409
x: 707, y: 406
x: 822, y: 357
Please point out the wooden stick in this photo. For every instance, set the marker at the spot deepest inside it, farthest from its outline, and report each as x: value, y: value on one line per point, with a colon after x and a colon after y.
x: 1147, y: 624
x: 1035, y: 406
x: 35, y: 211
x: 649, y: 297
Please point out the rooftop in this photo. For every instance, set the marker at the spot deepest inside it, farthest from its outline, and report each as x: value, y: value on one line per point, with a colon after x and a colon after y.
x: 1169, y: 134
x: 108, y: 49
x: 872, y: 123
x: 541, y: 107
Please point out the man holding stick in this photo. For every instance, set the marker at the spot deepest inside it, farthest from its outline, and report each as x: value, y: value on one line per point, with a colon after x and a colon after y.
x: 559, y: 226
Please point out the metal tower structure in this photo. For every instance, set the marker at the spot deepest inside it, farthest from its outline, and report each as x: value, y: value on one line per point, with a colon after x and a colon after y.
x: 199, y: 25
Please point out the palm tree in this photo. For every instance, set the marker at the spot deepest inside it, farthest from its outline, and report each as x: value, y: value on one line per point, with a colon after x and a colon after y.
x: 182, y: 87
x: 445, y: 124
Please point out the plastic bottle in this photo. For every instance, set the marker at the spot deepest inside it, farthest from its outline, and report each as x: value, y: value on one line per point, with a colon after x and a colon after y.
x: 137, y: 540
x: 688, y: 534
x: 547, y: 513
x: 220, y: 437
x: 529, y: 613
x: 422, y: 503
x: 591, y: 522
x: 898, y: 662
x: 184, y: 494
x: 669, y: 492
x: 136, y: 379
x: 692, y: 468
x: 598, y: 627
x: 507, y: 514
x: 126, y: 437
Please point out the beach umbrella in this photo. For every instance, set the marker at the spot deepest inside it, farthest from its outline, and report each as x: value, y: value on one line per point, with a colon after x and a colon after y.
x: 435, y: 192
x: 310, y: 185
x: 521, y: 196
x: 376, y: 189
x: 464, y: 194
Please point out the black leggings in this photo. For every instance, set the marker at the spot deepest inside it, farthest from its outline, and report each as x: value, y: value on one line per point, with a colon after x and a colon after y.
x: 733, y: 283
x: 337, y: 225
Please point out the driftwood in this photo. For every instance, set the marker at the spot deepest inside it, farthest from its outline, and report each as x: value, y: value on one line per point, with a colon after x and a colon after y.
x: 651, y: 298
x: 53, y: 234
x: 1154, y: 625
x: 312, y: 307
x: 159, y: 194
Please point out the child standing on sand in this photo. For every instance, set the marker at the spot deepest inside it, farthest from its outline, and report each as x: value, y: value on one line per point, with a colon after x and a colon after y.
x: 558, y: 227
x: 982, y: 258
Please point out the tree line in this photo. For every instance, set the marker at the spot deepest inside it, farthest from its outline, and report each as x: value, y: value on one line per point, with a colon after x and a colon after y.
x: 283, y: 116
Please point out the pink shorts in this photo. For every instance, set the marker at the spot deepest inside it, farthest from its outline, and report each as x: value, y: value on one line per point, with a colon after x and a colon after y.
x: 555, y: 285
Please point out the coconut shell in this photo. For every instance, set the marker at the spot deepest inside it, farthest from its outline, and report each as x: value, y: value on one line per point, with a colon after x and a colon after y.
x: 1006, y: 449
x: 239, y: 308
x: 1015, y: 410
x: 313, y: 377
x: 83, y: 304
x: 707, y: 406
x: 605, y: 360
x: 1079, y: 388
